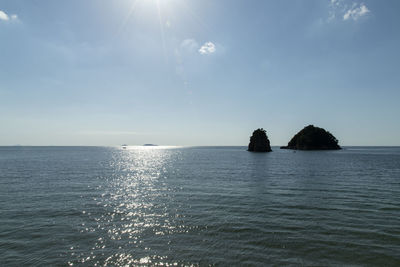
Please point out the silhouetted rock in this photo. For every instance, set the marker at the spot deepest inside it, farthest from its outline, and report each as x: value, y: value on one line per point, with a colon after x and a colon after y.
x: 259, y: 141
x: 313, y: 138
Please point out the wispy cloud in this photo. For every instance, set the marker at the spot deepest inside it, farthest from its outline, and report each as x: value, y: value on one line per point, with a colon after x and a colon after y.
x: 5, y: 17
x: 190, y: 45
x: 333, y: 6
x: 346, y: 10
x: 207, y: 48
x: 356, y: 12
x: 108, y: 133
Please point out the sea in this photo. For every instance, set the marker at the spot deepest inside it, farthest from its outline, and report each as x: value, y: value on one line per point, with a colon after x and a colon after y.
x: 199, y: 206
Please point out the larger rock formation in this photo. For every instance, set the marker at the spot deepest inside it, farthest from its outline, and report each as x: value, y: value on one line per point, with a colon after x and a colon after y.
x: 259, y: 141
x: 313, y: 138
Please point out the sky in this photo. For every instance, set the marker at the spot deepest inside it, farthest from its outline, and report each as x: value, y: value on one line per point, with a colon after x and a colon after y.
x: 185, y: 72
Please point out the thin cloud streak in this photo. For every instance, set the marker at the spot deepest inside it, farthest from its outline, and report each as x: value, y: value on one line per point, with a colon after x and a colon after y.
x: 108, y: 133
x: 343, y: 10
x: 356, y: 12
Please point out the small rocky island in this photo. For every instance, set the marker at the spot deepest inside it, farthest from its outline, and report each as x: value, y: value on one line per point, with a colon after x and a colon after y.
x: 313, y: 138
x: 259, y: 141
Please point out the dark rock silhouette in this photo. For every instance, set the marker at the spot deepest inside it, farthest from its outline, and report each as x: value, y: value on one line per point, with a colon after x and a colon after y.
x: 259, y: 141
x: 313, y: 138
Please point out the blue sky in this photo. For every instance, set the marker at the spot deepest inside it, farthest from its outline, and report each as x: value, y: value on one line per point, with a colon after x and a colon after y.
x: 177, y: 72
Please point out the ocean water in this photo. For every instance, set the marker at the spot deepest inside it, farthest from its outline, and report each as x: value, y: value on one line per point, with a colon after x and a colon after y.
x: 199, y: 206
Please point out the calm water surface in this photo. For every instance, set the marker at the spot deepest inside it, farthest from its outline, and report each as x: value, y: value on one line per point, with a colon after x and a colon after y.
x: 104, y: 206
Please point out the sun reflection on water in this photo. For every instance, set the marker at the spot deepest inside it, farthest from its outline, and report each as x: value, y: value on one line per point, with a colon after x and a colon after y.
x: 135, y: 208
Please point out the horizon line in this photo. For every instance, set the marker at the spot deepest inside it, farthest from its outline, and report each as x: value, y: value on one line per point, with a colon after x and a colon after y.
x: 18, y: 145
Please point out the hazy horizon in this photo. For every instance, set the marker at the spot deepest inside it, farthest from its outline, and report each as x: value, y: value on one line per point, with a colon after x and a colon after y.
x: 178, y: 146
x: 198, y: 73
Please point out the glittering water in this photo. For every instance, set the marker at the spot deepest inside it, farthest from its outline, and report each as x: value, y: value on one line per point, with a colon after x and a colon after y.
x: 97, y: 206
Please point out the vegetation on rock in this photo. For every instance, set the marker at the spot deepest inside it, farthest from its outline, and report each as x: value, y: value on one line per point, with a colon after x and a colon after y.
x: 259, y: 141
x: 313, y: 138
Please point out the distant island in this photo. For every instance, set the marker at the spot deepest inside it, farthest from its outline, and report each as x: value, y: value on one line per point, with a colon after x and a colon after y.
x: 259, y: 141
x: 150, y: 145
x: 313, y: 138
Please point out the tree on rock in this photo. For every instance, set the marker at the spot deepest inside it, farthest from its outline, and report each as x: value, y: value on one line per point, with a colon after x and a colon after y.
x: 259, y: 141
x: 313, y: 138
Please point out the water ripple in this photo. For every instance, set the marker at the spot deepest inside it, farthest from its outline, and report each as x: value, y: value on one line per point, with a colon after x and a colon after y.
x: 199, y: 206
